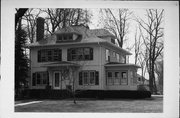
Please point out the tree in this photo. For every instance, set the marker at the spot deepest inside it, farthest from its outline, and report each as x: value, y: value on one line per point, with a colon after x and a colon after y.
x: 117, y: 22
x: 21, y: 61
x: 59, y: 18
x: 30, y: 25
x: 159, y: 72
x: 152, y: 31
x: 19, y: 13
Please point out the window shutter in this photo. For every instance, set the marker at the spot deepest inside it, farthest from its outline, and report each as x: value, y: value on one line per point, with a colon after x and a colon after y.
x: 80, y: 78
x: 91, y: 53
x: 39, y: 56
x: 34, y: 79
x: 97, y: 78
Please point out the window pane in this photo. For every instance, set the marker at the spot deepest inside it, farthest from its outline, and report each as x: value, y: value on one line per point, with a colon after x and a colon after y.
x: 92, y: 78
x: 107, y: 55
x: 117, y: 78
x: 38, y: 78
x: 109, y: 78
x: 80, y: 78
x: 124, y: 78
x: 117, y: 56
x: 85, y: 78
x: 34, y: 79
x: 44, y: 78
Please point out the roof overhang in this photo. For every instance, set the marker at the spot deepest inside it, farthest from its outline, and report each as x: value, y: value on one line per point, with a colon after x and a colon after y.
x: 61, y: 64
x: 122, y: 65
x: 116, y: 47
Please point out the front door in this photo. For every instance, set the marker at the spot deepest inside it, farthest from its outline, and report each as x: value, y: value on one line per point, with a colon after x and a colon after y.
x: 57, y: 80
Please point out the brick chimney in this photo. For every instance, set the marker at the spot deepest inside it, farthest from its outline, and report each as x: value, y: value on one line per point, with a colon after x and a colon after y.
x: 40, y: 29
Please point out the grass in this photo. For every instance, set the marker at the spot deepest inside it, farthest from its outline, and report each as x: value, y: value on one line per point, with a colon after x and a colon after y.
x: 151, y: 105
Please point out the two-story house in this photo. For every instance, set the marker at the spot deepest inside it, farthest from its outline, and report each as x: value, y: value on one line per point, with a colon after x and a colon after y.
x: 90, y: 56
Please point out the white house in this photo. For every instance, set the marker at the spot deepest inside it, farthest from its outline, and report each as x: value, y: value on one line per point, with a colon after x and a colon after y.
x: 90, y: 56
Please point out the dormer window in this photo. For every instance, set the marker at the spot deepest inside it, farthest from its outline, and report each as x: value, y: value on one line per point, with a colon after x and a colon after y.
x: 65, y: 37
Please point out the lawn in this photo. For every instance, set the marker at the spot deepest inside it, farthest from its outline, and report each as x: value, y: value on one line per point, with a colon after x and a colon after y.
x: 150, y: 105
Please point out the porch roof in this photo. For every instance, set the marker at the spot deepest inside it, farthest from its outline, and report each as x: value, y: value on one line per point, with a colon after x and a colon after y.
x: 61, y: 63
x: 116, y: 64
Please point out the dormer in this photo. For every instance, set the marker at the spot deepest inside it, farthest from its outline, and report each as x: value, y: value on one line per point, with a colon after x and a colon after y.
x: 68, y: 37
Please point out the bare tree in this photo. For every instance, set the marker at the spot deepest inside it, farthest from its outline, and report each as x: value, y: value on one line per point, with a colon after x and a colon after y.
x: 116, y: 22
x: 152, y: 31
x: 59, y: 18
x: 30, y: 22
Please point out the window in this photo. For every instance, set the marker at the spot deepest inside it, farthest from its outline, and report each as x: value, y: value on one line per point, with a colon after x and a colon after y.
x: 117, y: 57
x: 131, y: 77
x: 122, y: 59
x: 116, y: 78
x: 89, y: 77
x: 124, y: 78
x: 49, y: 55
x: 110, y: 78
x: 114, y: 54
x: 65, y: 37
x: 39, y: 78
x: 107, y: 55
x: 80, y: 54
x: 86, y: 78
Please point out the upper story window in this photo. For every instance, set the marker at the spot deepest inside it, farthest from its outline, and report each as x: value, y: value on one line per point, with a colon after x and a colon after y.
x: 80, y: 54
x: 122, y: 59
x: 49, y: 55
x: 65, y: 37
x: 107, y: 55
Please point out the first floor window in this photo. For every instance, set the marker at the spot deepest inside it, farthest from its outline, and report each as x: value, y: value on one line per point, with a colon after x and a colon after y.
x: 39, y: 78
x: 110, y: 78
x: 124, y: 78
x: 89, y: 77
x: 117, y: 78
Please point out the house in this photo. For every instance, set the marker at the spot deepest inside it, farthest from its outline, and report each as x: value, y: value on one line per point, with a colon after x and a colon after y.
x: 91, y: 58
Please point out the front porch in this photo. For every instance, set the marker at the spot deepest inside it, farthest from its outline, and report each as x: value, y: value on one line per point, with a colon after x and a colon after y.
x: 62, y: 75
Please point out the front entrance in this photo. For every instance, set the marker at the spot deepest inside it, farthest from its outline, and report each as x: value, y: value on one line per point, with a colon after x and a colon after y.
x: 57, y: 80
